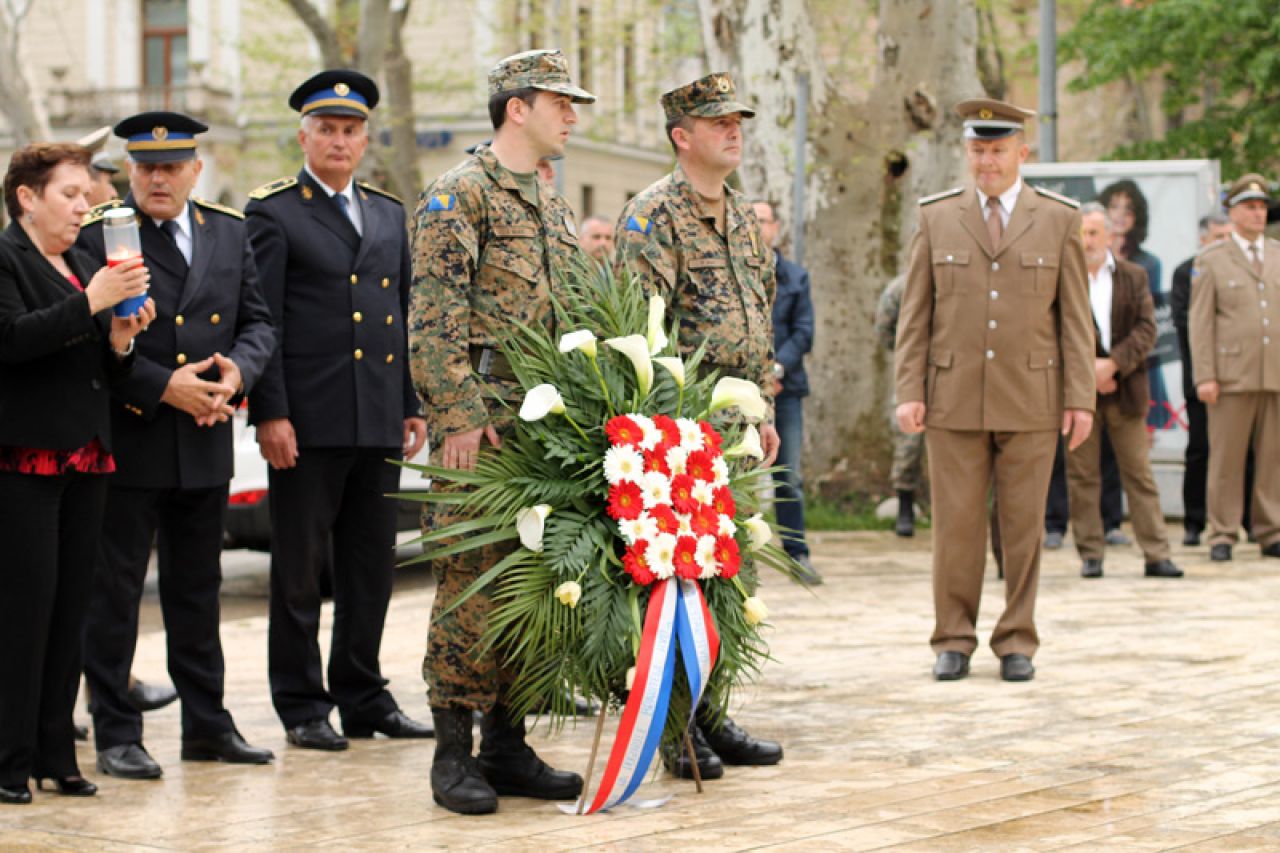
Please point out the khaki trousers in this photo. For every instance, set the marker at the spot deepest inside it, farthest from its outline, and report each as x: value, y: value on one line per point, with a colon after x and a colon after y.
x: 962, y: 467
x: 1130, y: 441
x: 1234, y: 421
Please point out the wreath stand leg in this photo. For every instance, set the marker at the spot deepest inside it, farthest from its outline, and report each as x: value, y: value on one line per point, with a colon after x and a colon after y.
x: 693, y: 761
x: 591, y: 762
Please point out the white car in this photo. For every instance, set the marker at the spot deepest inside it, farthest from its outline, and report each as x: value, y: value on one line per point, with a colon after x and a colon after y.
x: 248, y: 523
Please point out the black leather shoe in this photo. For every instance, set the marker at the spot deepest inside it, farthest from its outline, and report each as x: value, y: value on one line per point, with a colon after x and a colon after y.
x: 1091, y: 569
x: 17, y: 796
x: 128, y: 761
x: 1162, y: 569
x: 1016, y: 667
x: 149, y: 697
x: 1117, y: 537
x: 807, y: 575
x: 1191, y: 537
x: 229, y: 747
x: 734, y: 746
x: 581, y: 707
x: 676, y: 758
x: 1272, y: 550
x: 513, y: 769
x: 1053, y: 540
x: 905, y: 524
x: 394, y: 725
x: 316, y: 734
x: 456, y: 781
x: 951, y: 666
x: 1220, y: 553
x: 71, y: 786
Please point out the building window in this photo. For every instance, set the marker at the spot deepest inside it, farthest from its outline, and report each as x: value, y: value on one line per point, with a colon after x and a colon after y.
x: 588, y: 200
x: 529, y: 23
x: 629, y: 66
x: 584, y: 47
x: 164, y: 46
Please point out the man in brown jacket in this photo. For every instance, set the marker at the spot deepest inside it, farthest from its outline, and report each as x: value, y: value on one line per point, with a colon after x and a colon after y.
x: 1235, y: 353
x: 995, y: 354
x: 1124, y: 317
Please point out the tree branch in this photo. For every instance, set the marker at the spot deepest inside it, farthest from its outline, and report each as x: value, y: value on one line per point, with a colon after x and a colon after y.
x: 324, y: 34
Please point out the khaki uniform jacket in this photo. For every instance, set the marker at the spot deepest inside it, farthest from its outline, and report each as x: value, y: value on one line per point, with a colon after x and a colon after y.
x: 1235, y: 318
x: 996, y: 339
x: 1133, y: 334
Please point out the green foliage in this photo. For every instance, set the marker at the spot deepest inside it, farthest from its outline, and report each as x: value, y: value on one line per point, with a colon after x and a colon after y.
x: 1220, y: 63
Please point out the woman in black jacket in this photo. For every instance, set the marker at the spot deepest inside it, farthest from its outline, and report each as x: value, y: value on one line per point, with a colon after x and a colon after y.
x: 60, y: 347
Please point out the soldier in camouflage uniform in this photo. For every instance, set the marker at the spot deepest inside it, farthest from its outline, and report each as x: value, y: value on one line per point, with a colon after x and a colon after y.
x: 696, y: 242
x: 488, y: 242
x: 908, y: 449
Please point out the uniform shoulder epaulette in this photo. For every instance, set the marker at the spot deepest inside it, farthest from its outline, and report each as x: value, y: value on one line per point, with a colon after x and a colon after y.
x: 930, y: 199
x: 365, y: 185
x: 1069, y: 202
x: 96, y: 213
x: 1212, y: 248
x: 221, y: 208
x: 269, y: 189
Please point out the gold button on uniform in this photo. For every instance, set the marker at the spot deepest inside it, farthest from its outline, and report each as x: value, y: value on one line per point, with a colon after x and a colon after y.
x: 215, y: 319
x: 179, y: 320
x: 182, y: 358
x: 386, y: 282
x: 390, y: 319
x: 390, y: 358
x: 354, y: 278
x: 359, y: 354
x: 358, y: 317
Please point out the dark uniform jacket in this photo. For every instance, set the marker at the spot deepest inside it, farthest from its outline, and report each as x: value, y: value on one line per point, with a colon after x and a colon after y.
x: 340, y: 373
x: 1133, y: 334
x: 792, y: 325
x: 55, y: 360
x: 1180, y: 307
x: 215, y: 306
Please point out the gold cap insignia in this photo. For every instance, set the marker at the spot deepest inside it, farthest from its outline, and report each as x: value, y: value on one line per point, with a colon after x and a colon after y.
x: 723, y: 84
x: 306, y: 193
x: 1255, y: 187
x: 160, y: 133
x: 985, y: 114
x: 342, y: 89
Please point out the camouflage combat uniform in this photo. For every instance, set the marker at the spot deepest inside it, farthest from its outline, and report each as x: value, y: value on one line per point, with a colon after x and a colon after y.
x: 908, y: 449
x: 718, y: 283
x: 486, y: 253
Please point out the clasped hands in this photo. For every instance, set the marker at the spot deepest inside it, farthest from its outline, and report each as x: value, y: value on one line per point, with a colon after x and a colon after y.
x: 206, y: 400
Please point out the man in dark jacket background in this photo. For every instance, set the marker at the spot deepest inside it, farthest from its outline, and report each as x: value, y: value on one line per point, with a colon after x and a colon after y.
x: 792, y: 339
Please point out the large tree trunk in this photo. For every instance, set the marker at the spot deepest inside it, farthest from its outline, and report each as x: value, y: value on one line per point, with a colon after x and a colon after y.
x: 872, y: 153
x: 25, y: 116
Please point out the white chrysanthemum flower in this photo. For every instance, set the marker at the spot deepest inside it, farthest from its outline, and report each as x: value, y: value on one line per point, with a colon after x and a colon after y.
x: 720, y: 472
x: 652, y: 435
x: 727, y: 527
x: 690, y: 434
x: 705, y: 555
x: 676, y: 459
x: 686, y: 524
x: 655, y: 489
x: 623, y: 462
x: 703, y: 492
x: 662, y: 555
x: 635, y: 529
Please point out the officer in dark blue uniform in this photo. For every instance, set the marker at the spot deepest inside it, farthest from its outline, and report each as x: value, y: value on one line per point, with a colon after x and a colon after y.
x: 209, y: 342
x: 336, y: 402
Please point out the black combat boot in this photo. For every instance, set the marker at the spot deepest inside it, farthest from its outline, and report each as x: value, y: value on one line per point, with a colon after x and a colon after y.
x: 456, y: 781
x: 906, y: 524
x: 676, y: 758
x: 732, y: 742
x: 512, y: 767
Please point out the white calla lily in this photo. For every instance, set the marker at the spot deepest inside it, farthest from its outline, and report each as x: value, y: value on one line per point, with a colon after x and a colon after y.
x: 636, y: 349
x: 754, y: 610
x: 530, y: 524
x: 569, y: 593
x: 656, y: 338
x: 731, y: 391
x: 583, y: 339
x: 674, y: 366
x: 759, y: 531
x: 540, y: 402
x: 748, y: 446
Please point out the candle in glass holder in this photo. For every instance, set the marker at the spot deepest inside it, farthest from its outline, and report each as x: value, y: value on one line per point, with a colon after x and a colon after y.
x: 123, y: 243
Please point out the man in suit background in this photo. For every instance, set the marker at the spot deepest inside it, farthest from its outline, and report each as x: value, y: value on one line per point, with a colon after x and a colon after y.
x: 173, y: 446
x: 335, y: 403
x: 1235, y: 354
x: 1124, y: 318
x: 994, y: 356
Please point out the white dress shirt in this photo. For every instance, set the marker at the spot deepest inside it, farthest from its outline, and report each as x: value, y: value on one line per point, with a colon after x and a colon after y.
x: 1101, y: 287
x: 1245, y: 244
x: 183, y: 237
x: 1008, y: 199
x: 349, y: 191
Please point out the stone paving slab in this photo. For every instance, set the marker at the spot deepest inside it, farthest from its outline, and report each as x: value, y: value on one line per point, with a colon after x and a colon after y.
x: 1151, y: 725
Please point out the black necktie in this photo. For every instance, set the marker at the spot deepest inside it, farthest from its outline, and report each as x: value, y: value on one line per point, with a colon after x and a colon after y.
x: 170, y: 229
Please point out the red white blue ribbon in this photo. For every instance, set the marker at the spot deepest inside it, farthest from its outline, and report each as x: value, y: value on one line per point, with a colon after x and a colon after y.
x: 677, y: 619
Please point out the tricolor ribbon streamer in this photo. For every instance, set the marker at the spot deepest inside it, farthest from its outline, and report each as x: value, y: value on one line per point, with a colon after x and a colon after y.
x: 677, y: 616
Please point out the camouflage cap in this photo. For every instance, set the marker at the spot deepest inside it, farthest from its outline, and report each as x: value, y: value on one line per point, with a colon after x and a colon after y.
x: 1248, y: 187
x: 708, y: 97
x: 536, y: 69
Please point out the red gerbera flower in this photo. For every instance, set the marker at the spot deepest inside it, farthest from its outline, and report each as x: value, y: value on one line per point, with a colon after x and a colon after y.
x: 665, y: 518
x: 712, y: 438
x: 623, y: 430
x: 686, y: 561
x: 728, y: 557
x: 656, y: 459
x: 670, y: 432
x: 625, y: 501
x: 705, y: 522
x: 682, y: 493
x: 698, y: 466
x: 722, y: 500
x: 636, y: 563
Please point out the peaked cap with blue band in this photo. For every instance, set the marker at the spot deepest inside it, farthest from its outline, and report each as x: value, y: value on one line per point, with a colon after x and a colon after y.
x: 337, y: 92
x: 160, y: 137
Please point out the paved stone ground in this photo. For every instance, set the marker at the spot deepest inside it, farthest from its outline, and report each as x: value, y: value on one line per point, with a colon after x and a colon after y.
x: 1152, y: 725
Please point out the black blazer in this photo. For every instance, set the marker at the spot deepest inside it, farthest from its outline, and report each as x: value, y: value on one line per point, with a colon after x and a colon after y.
x: 215, y: 306
x: 339, y: 300
x: 56, y: 364
x: 792, y: 325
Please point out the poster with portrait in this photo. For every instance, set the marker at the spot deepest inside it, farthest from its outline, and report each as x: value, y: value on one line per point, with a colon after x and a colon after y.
x: 1155, y: 207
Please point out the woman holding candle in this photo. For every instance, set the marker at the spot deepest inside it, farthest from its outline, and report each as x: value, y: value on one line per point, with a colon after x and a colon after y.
x: 60, y: 347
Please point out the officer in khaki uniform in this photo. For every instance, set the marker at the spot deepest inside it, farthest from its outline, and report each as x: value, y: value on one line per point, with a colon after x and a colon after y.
x: 695, y: 241
x: 489, y: 241
x: 1235, y: 353
x: 995, y: 354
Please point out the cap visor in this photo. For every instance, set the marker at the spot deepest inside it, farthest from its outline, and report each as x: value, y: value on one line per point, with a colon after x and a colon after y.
x: 1249, y: 195
x: 348, y: 112
x: 989, y: 132
x: 722, y: 108
x: 579, y: 96
x: 176, y: 155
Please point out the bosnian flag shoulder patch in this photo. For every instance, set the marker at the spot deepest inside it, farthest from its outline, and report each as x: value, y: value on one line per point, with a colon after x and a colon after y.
x: 442, y: 201
x: 641, y: 224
